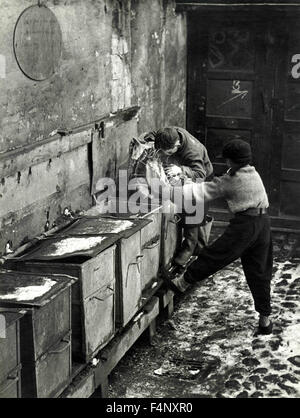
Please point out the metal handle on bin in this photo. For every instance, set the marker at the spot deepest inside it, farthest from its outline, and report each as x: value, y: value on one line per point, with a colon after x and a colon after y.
x: 11, y: 381
x: 67, y: 344
x: 137, y: 263
x: 176, y: 220
x: 155, y: 244
x: 106, y: 297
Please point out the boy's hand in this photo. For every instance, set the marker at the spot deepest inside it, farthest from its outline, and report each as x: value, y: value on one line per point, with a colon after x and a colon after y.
x: 173, y: 170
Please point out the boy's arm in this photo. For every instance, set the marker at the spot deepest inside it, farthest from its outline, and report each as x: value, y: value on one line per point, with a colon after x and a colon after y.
x: 208, y: 191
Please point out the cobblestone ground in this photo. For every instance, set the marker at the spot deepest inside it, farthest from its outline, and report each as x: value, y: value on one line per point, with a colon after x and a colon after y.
x: 209, y: 348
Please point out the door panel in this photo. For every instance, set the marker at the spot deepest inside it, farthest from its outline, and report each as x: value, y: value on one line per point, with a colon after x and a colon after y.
x: 244, y: 82
x: 285, y: 185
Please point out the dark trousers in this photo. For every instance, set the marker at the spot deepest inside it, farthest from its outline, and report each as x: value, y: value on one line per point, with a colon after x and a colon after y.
x: 194, y: 237
x: 246, y: 237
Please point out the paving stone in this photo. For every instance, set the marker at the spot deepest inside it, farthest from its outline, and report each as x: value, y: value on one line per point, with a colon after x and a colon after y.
x: 286, y: 276
x: 236, y: 376
x: 274, y: 345
x: 243, y: 394
x: 282, y: 283
x: 295, y: 360
x: 290, y: 378
x: 272, y: 378
x: 297, y: 372
x: 247, y: 385
x: 232, y: 384
x: 261, y: 370
x: 260, y: 385
x: 257, y: 394
x: 289, y: 390
x: 265, y: 354
x: 250, y: 361
x: 275, y: 392
x: 258, y: 346
x: 246, y: 352
x: 277, y: 365
x: 289, y: 305
x: 254, y: 378
x: 292, y: 292
x: 238, y: 370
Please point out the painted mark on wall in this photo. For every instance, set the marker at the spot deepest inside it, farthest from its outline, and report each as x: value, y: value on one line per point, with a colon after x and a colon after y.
x: 236, y: 93
x: 296, y: 68
x: 2, y: 66
x: 230, y: 48
x: 2, y: 327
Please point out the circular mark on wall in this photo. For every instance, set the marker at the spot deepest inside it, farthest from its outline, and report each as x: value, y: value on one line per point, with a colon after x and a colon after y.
x: 37, y: 42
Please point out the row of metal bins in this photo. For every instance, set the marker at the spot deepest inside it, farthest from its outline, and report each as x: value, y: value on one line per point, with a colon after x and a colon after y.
x: 36, y: 350
x: 112, y: 262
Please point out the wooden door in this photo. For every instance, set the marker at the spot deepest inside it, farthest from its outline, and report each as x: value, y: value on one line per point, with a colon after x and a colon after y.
x: 236, y: 89
x: 285, y: 168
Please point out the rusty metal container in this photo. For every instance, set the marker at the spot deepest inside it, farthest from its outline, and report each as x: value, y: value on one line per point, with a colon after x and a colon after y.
x: 91, y: 259
x: 127, y: 262
x: 45, y: 330
x: 10, y: 358
x: 128, y: 258
x: 151, y: 249
x: 150, y: 235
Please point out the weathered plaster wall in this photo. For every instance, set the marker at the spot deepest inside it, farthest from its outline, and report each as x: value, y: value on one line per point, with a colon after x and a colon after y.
x: 115, y: 54
x: 158, y: 47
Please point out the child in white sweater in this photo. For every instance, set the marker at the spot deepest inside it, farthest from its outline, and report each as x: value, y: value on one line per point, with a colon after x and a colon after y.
x: 248, y: 235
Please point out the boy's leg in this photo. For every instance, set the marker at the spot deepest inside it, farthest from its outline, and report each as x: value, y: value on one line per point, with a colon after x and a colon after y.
x: 226, y: 249
x: 190, y: 234
x: 257, y: 262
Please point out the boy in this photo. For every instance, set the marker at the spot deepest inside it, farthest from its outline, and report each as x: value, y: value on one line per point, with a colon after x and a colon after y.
x: 186, y: 157
x: 248, y: 235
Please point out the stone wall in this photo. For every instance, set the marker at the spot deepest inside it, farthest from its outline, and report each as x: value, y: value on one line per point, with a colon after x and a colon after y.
x: 115, y: 55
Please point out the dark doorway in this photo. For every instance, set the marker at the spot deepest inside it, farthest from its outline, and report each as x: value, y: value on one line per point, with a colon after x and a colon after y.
x: 244, y: 81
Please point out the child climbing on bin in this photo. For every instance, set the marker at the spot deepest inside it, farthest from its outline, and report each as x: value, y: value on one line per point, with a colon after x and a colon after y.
x: 248, y: 235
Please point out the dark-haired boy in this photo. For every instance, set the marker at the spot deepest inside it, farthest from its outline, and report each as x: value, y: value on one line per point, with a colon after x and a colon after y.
x: 184, y: 156
x: 248, y: 235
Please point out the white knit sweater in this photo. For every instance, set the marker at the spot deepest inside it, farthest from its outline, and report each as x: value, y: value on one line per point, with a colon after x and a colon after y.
x: 242, y: 191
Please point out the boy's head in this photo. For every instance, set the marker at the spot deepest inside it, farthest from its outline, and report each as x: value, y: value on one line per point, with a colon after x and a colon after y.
x: 238, y: 152
x: 167, y: 140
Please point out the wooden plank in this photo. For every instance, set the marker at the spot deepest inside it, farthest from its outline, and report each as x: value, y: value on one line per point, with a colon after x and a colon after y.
x: 25, y: 224
x: 58, y: 175
x: 12, y: 162
x: 26, y: 156
x: 82, y: 386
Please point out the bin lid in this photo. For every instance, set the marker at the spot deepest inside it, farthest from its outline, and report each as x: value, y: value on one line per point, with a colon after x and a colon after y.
x: 120, y: 209
x: 10, y: 316
x: 18, y: 289
x: 65, y: 246
x: 105, y: 225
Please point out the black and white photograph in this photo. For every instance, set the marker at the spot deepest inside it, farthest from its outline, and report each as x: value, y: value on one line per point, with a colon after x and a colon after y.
x: 149, y: 202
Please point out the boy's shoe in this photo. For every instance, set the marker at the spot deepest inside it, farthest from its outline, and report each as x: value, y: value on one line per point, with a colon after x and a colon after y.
x: 178, y: 284
x: 265, y: 330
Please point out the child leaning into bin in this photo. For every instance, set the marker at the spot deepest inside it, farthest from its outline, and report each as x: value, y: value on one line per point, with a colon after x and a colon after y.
x: 248, y: 235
